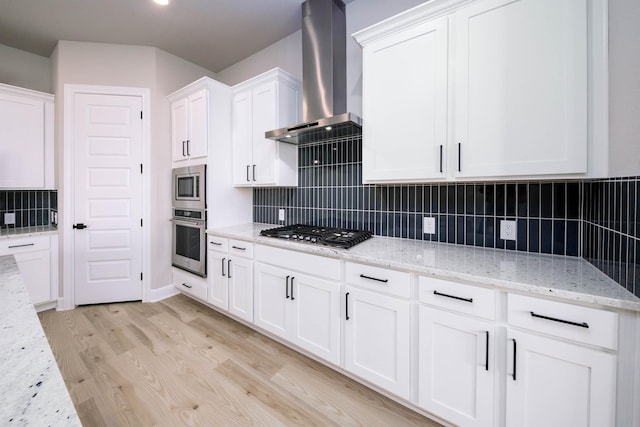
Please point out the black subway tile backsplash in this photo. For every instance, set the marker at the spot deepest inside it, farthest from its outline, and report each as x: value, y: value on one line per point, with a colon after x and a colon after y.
x: 597, y: 220
x: 31, y: 208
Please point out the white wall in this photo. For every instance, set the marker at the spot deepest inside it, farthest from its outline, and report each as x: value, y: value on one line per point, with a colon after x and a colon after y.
x: 24, y: 69
x: 624, y: 86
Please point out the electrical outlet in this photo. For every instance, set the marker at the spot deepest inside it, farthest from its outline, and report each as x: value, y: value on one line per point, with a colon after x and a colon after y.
x: 280, y: 214
x: 429, y: 225
x: 507, y: 230
x: 9, y: 219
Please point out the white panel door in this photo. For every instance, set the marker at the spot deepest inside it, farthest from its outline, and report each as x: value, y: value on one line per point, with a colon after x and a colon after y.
x: 240, y: 274
x: 179, y: 129
x: 520, y: 88
x: 271, y: 298
x: 264, y: 119
x: 242, y: 139
x: 107, y: 195
x: 456, y: 372
x: 218, y: 282
x: 197, y: 142
x: 405, y: 105
x: 377, y: 342
x: 316, y: 316
x: 557, y: 384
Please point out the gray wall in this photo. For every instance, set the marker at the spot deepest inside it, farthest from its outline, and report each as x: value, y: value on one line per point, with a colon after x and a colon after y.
x: 24, y: 69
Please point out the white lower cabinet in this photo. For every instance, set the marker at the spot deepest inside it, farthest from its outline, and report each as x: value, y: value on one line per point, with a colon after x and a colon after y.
x: 377, y: 339
x: 300, y: 308
x: 557, y: 384
x: 230, y: 273
x: 456, y: 368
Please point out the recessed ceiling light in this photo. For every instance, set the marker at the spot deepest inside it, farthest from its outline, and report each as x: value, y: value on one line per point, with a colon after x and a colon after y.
x: 162, y: 2
x: 328, y: 128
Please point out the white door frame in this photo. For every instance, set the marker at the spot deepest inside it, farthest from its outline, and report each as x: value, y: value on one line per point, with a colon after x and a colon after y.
x: 67, y: 301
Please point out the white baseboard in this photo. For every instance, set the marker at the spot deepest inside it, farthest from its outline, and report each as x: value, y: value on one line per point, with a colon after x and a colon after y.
x: 159, y: 294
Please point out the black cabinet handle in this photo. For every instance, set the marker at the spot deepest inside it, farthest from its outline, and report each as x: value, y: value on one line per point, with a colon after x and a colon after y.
x: 248, y: 173
x: 292, y: 298
x: 229, y: 268
x: 346, y: 305
x: 286, y: 287
x: 459, y: 157
x: 452, y: 296
x: 486, y: 352
x: 223, y: 273
x: 554, y: 319
x: 515, y: 347
x: 183, y: 142
x: 22, y: 246
x: 216, y: 243
x: 254, y: 172
x: 188, y: 152
x: 239, y: 248
x: 187, y: 286
x: 374, y: 278
x: 440, y: 158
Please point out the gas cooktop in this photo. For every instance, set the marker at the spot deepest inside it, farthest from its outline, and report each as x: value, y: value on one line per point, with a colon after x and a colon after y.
x: 327, y: 236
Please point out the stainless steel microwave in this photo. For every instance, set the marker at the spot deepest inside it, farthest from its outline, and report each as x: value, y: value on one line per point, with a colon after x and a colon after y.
x: 189, y: 187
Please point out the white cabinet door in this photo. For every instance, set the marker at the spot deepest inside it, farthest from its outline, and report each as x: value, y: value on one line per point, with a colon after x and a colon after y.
x: 264, y: 116
x: 179, y: 129
x: 520, y: 88
x: 240, y: 275
x: 316, y: 316
x: 242, y: 138
x: 556, y: 384
x: 377, y: 339
x: 456, y: 369
x: 218, y: 283
x: 36, y: 274
x: 197, y: 141
x: 271, y: 293
x: 405, y: 105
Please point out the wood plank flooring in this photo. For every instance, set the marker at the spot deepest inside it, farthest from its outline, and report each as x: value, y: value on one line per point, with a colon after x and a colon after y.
x: 179, y: 363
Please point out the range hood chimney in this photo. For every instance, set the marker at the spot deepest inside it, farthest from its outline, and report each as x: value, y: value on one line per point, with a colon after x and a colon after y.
x: 324, y: 75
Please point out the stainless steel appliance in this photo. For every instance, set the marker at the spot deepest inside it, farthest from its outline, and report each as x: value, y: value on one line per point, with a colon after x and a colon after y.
x: 189, y: 191
x: 327, y: 236
x: 189, y: 241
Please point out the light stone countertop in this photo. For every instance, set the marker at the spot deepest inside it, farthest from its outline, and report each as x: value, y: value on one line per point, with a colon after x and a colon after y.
x: 569, y: 278
x: 32, y: 391
x: 8, y: 233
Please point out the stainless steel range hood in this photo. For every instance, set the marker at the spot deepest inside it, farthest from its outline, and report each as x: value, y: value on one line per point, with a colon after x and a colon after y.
x: 324, y: 75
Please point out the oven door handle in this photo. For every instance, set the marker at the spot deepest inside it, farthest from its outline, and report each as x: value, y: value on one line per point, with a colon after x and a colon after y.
x: 197, y: 223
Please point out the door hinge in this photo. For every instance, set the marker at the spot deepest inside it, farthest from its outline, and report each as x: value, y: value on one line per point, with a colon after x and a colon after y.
x: 140, y: 222
x: 140, y: 276
x: 140, y: 115
x: 140, y: 167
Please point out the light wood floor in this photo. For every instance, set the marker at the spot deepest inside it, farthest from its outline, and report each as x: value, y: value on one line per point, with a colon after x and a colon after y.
x: 179, y: 363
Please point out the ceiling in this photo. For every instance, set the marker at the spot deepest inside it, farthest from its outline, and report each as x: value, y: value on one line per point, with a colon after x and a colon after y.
x: 211, y: 33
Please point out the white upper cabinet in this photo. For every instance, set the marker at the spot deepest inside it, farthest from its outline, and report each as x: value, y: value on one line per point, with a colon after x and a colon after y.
x: 520, y: 88
x: 408, y: 114
x: 26, y: 138
x: 269, y: 101
x: 485, y: 89
x: 190, y: 126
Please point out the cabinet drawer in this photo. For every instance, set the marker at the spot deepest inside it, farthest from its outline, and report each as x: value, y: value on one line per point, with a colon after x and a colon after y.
x: 240, y: 248
x: 298, y: 261
x: 218, y: 244
x: 379, y: 279
x: 574, y: 322
x: 468, y: 299
x: 23, y: 244
x: 190, y: 284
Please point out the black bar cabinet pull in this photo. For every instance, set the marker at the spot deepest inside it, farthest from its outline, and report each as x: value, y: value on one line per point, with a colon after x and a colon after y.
x: 515, y: 347
x: 486, y: 352
x: 440, y: 158
x: 223, y: 273
x: 183, y: 142
x: 452, y: 296
x: 248, y: 173
x: 292, y: 298
x: 187, y: 286
x: 374, y: 278
x: 229, y: 268
x: 254, y: 172
x: 188, y: 153
x: 216, y: 243
x: 286, y: 287
x: 239, y: 248
x: 346, y: 305
x: 459, y: 157
x: 22, y: 246
x: 568, y: 322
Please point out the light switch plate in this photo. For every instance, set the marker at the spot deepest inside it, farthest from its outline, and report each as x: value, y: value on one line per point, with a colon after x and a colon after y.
x: 507, y: 230
x: 280, y: 214
x: 9, y: 219
x: 429, y: 225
